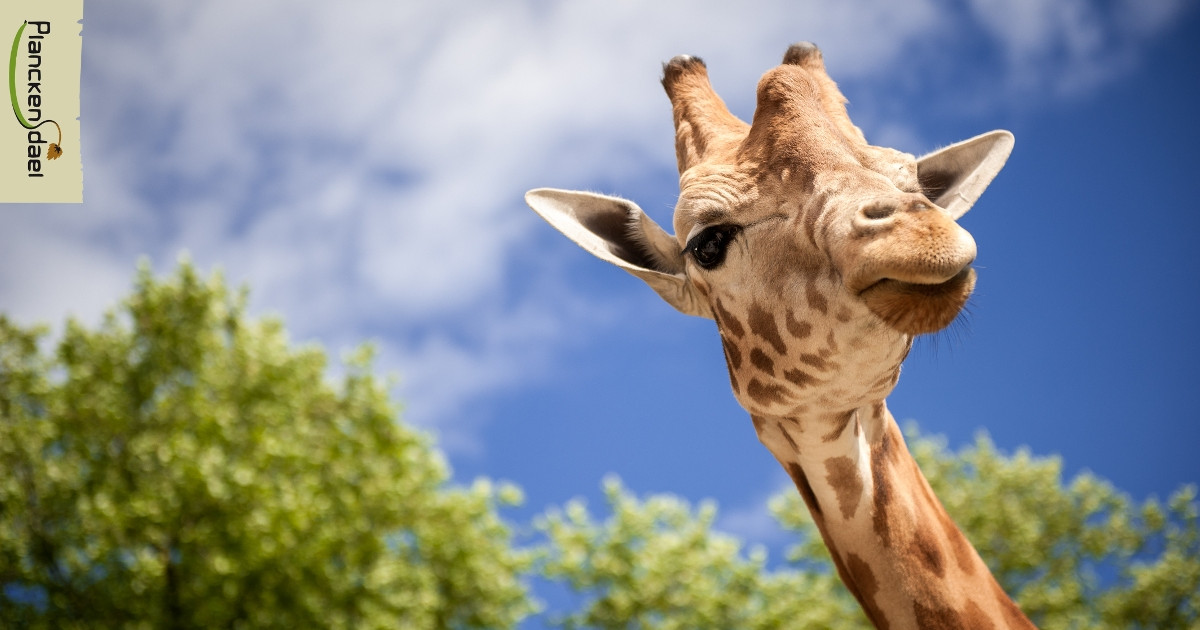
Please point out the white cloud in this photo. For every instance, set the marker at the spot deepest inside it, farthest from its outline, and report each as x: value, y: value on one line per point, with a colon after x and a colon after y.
x: 361, y: 164
x: 1070, y: 47
x: 1147, y: 17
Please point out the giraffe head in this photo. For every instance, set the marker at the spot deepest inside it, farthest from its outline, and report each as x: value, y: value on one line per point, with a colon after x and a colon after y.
x: 819, y: 256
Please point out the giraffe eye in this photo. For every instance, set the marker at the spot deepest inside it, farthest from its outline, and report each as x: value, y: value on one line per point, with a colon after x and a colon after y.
x: 708, y: 247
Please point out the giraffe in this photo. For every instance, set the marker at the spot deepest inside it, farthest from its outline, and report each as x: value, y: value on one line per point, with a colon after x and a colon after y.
x: 820, y: 257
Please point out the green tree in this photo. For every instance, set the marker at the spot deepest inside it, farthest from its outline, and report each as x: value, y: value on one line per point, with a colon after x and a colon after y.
x: 1077, y: 555
x: 182, y: 466
x: 658, y: 564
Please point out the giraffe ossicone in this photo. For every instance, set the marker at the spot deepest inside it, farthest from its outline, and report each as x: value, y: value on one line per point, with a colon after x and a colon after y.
x: 820, y: 257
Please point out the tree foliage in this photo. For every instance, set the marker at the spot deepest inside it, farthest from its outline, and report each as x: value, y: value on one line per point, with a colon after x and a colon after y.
x: 182, y: 466
x: 658, y: 564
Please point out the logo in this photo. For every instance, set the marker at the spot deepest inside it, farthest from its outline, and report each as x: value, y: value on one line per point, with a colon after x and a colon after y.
x: 39, y: 142
x: 33, y: 96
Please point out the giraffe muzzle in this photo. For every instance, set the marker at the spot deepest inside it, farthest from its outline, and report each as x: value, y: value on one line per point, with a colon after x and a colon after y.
x: 917, y: 308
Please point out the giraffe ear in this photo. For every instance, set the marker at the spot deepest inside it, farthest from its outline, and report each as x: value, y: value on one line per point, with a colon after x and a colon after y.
x: 616, y: 230
x: 955, y: 177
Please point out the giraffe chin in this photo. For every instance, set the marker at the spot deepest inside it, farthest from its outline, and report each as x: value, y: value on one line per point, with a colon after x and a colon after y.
x: 917, y: 309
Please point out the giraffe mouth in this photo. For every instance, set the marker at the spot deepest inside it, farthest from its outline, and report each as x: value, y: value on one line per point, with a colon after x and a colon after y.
x: 918, y: 308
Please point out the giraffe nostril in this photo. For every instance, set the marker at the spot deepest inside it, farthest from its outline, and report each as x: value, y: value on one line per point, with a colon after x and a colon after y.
x: 884, y: 209
x: 878, y: 210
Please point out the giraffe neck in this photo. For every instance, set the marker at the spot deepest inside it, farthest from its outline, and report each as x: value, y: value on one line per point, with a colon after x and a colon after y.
x: 891, y: 540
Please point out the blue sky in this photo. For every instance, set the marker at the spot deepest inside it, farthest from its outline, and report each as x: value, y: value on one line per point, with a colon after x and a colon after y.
x: 361, y: 166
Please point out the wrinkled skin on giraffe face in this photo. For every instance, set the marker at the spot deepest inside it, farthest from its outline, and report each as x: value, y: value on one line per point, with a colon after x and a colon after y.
x: 837, y: 256
x: 819, y: 255
x: 855, y: 211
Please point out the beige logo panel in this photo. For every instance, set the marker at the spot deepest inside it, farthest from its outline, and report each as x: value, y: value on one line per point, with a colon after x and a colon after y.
x: 41, y: 44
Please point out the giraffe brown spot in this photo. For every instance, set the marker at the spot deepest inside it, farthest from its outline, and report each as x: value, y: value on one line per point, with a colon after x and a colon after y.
x: 839, y: 426
x: 795, y: 327
x: 761, y: 361
x: 764, y: 393
x: 799, y: 378
x: 938, y: 618
x: 788, y: 436
x: 793, y: 421
x: 762, y: 323
x: 831, y: 342
x: 926, y: 549
x: 728, y: 321
x: 733, y: 360
x: 840, y: 565
x: 732, y: 354
x: 964, y: 554
x: 842, y: 570
x: 930, y: 618
x: 843, y: 477
x: 806, y: 492
x: 882, y: 488
x: 867, y: 587
x: 814, y: 360
x: 815, y: 300
x: 843, y: 315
